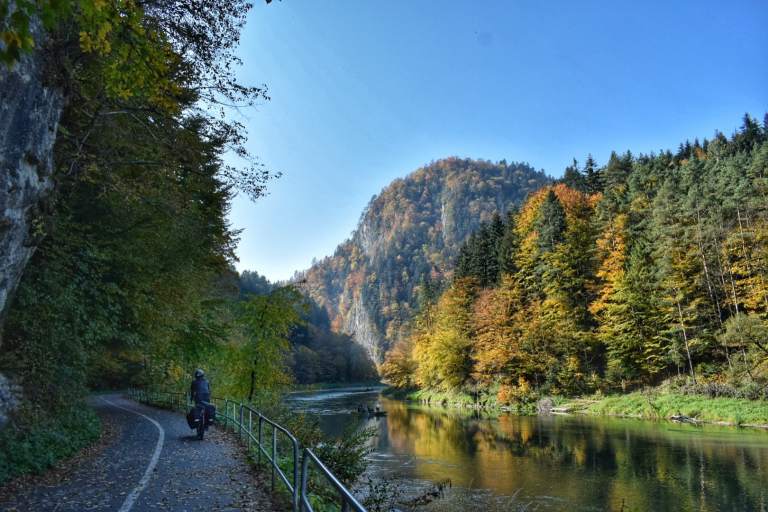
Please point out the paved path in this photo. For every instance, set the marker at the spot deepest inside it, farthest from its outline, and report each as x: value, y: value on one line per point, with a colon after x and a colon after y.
x: 153, y: 463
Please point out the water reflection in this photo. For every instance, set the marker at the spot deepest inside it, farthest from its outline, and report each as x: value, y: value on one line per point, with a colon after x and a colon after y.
x: 578, y: 463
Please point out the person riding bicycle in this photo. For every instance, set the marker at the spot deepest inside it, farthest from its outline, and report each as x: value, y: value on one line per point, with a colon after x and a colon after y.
x: 200, y: 391
x: 203, y: 413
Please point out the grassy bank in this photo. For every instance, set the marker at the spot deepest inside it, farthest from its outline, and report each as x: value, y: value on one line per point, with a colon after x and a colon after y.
x: 485, y: 400
x: 320, y: 386
x: 662, y: 406
x: 650, y: 405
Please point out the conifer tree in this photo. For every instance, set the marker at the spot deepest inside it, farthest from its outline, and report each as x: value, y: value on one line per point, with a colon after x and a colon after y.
x: 573, y: 178
x: 592, y: 176
x: 550, y: 223
x: 509, y: 245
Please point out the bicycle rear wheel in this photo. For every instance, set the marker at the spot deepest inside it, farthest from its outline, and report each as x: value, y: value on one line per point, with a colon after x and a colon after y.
x: 201, y: 426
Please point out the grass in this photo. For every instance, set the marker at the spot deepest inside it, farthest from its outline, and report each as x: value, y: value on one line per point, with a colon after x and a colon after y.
x: 653, y: 405
x: 451, y: 398
x: 733, y: 411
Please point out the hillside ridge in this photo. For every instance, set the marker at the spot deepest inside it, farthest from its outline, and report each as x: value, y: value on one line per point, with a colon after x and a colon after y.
x: 407, y: 239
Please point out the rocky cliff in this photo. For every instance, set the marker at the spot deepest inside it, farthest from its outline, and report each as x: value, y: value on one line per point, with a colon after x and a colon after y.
x: 408, y: 236
x: 29, y: 117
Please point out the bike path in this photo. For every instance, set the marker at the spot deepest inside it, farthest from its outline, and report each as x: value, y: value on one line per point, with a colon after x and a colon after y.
x: 154, y: 463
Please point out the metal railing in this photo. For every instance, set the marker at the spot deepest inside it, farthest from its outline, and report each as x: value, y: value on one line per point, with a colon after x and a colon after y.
x: 242, y: 418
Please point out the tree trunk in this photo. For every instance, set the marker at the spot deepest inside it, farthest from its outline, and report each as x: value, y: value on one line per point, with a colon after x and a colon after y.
x: 685, y: 340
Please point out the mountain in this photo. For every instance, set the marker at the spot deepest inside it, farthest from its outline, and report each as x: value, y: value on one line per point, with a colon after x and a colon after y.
x: 406, y: 244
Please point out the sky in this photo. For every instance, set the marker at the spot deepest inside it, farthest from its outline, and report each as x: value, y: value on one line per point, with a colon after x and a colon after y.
x: 363, y: 92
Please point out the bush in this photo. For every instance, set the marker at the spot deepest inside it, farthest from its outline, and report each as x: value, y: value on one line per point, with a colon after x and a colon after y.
x: 28, y: 446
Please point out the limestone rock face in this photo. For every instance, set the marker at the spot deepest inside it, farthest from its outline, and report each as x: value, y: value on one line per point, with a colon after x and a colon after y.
x: 10, y: 397
x: 29, y: 117
x: 412, y: 230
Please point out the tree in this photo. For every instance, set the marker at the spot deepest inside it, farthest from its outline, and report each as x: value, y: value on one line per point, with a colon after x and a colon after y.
x: 399, y: 366
x: 267, y: 321
x: 748, y: 334
x: 509, y: 245
x: 632, y: 319
x: 442, y: 348
x: 592, y: 176
x: 550, y: 223
x: 573, y: 178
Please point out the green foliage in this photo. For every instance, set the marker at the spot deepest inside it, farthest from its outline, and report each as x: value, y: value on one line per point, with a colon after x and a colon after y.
x: 267, y: 320
x: 632, y: 324
x: 16, y: 24
x: 550, y: 223
x: 37, y: 440
x: 647, y: 268
x: 347, y: 454
x: 480, y: 258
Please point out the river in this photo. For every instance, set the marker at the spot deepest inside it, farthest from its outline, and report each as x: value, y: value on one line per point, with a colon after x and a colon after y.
x: 573, y: 463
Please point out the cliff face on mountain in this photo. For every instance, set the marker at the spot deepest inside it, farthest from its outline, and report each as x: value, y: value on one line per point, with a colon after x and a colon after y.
x: 29, y: 118
x: 407, y: 241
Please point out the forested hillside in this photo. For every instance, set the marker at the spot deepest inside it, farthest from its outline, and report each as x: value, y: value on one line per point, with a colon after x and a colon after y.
x: 316, y: 353
x: 650, y: 267
x: 407, y: 240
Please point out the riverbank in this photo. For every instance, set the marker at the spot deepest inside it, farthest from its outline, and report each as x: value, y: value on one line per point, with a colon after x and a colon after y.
x: 648, y: 405
x: 321, y: 386
x: 737, y: 412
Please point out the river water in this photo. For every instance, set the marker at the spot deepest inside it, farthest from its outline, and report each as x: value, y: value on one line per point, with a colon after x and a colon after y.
x: 569, y: 463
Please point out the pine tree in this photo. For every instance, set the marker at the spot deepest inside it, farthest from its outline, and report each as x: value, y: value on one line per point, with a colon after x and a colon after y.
x: 550, y: 223
x: 592, y: 176
x: 509, y: 245
x: 493, y: 245
x: 632, y: 319
x: 573, y: 178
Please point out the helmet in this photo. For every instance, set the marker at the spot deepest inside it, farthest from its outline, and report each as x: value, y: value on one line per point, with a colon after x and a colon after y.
x: 199, y: 373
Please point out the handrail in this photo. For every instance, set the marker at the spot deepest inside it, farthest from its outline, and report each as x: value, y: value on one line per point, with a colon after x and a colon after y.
x: 234, y: 416
x: 346, y: 497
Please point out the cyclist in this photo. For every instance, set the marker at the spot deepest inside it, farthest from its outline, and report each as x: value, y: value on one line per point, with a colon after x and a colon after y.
x: 200, y: 391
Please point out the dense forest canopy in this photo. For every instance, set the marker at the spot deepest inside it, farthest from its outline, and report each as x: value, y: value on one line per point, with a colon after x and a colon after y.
x: 649, y: 267
x: 406, y: 242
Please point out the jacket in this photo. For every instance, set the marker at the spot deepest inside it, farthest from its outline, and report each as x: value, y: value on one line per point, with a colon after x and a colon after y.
x: 200, y: 390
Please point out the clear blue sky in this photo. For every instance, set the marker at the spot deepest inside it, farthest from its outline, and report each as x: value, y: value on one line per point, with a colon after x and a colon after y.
x: 364, y: 92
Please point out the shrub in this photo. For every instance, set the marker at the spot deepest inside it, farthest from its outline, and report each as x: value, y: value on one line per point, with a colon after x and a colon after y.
x: 28, y: 446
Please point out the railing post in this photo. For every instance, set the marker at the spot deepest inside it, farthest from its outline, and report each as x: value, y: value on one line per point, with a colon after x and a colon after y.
x: 295, y: 475
x: 261, y: 435
x: 274, y: 452
x: 304, y: 478
x: 250, y: 429
x: 240, y: 423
